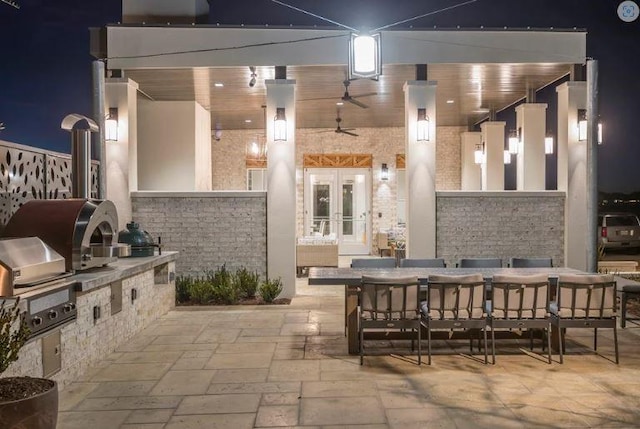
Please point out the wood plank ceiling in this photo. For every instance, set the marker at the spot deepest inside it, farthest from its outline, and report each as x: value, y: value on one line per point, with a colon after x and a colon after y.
x: 465, y: 92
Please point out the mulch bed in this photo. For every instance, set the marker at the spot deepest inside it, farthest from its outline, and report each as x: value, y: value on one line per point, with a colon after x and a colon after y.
x: 246, y: 301
x: 14, y: 388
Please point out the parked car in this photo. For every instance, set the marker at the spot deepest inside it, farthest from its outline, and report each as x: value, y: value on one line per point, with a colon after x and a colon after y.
x: 618, y: 230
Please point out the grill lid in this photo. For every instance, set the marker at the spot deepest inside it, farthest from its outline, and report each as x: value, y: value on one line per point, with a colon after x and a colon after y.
x: 25, y: 261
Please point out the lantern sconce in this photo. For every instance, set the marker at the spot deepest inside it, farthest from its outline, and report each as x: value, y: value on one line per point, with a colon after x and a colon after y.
x: 280, y: 125
x: 582, y: 127
x: 111, y: 125
x: 548, y: 143
x: 365, y: 60
x: 599, y: 132
x: 478, y: 154
x: 422, y: 126
x: 507, y: 157
x: 384, y: 172
x: 513, y: 142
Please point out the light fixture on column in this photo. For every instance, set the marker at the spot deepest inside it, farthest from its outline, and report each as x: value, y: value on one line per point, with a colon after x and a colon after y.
x: 513, y: 142
x: 364, y: 56
x: 111, y: 125
x: 582, y: 125
x: 599, y: 132
x: 478, y: 154
x: 507, y: 157
x: 548, y: 143
x: 384, y: 172
x: 422, y: 125
x: 280, y: 125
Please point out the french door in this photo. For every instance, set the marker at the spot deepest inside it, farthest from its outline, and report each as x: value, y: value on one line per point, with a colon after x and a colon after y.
x: 337, y: 201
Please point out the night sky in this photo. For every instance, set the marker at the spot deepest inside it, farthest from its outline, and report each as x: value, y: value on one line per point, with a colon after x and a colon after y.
x: 45, y: 66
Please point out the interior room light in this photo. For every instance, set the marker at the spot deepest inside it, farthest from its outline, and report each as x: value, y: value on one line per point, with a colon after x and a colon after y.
x: 364, y: 56
x: 423, y: 125
x: 548, y: 144
x: 384, y: 172
x: 507, y: 157
x: 513, y: 142
x: 582, y: 125
x: 280, y: 125
x: 478, y: 154
x: 111, y: 125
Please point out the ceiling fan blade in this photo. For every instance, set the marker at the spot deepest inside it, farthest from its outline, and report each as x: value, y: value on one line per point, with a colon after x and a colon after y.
x: 366, y: 94
x: 356, y: 102
x: 318, y: 98
x: 348, y: 133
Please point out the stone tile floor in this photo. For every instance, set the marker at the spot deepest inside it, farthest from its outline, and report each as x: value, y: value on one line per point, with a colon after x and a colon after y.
x: 286, y: 366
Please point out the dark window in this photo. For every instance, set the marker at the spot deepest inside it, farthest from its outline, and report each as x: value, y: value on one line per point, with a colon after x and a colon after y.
x: 622, y: 221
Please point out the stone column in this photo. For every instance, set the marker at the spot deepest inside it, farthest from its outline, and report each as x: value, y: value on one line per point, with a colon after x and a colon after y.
x: 531, y: 160
x: 420, y: 170
x: 493, y: 163
x: 121, y: 163
x: 281, y: 187
x: 572, y: 172
x: 471, y: 173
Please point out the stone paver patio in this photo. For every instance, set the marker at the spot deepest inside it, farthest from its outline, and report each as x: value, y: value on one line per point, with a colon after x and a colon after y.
x: 286, y: 366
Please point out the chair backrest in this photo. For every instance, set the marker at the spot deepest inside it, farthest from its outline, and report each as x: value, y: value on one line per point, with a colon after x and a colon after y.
x: 520, y: 297
x: 531, y: 263
x: 456, y: 297
x: 385, y: 298
x: 373, y: 263
x: 480, y: 263
x: 590, y: 296
x: 422, y: 263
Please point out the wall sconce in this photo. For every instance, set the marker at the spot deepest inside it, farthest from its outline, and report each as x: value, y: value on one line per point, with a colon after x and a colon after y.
x: 111, y: 125
x: 423, y: 126
x: 280, y: 125
x: 599, y: 132
x: 548, y: 144
x: 507, y: 157
x: 384, y: 172
x: 582, y: 125
x: 364, y: 56
x: 513, y: 142
x: 478, y: 154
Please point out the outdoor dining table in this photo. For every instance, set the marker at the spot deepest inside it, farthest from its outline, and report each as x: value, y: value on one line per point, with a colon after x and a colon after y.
x: 351, y: 278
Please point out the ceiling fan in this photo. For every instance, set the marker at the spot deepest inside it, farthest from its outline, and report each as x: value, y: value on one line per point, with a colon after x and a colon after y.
x: 347, y: 131
x: 346, y: 97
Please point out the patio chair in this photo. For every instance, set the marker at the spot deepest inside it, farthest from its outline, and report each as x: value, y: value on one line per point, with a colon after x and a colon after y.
x: 585, y: 301
x: 373, y: 263
x: 423, y: 263
x: 480, y: 263
x: 520, y: 302
x: 455, y: 302
x: 531, y: 263
x: 390, y: 304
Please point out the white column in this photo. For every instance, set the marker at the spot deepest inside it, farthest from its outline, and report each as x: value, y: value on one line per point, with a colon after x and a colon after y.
x: 471, y: 173
x: 531, y: 160
x: 420, y: 170
x: 493, y: 163
x: 121, y: 163
x: 572, y: 172
x: 281, y: 187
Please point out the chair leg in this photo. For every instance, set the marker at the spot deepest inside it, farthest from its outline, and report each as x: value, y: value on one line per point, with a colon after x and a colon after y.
x: 361, y: 346
x: 531, y: 339
x: 548, y: 334
x: 493, y: 344
x: 419, y: 345
x: 428, y: 345
x: 623, y: 310
x: 561, y: 345
x: 595, y: 339
x: 615, y: 341
x: 486, y: 359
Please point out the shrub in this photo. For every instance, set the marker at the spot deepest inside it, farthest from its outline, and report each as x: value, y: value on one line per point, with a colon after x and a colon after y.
x: 201, y: 291
x: 270, y: 289
x: 247, y: 282
x: 225, y: 290
x: 183, y: 286
x: 13, y: 334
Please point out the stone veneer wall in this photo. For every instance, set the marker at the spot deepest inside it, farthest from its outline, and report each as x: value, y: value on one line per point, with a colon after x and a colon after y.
x: 209, y: 229
x: 85, y: 342
x: 229, y: 172
x: 500, y: 224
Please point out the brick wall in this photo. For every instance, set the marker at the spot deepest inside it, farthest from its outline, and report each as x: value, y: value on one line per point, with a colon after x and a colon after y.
x: 229, y: 172
x: 208, y: 229
x: 499, y: 224
x: 85, y: 341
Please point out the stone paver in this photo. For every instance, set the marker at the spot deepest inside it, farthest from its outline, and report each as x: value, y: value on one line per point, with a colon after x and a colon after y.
x: 287, y: 366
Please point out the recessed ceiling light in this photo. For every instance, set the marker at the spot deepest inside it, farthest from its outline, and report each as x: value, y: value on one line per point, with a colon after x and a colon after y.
x: 248, y: 121
x: 339, y: 103
x: 450, y: 101
x: 218, y: 84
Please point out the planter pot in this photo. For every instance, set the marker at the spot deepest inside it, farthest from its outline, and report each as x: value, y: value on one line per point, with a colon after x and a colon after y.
x: 35, y: 412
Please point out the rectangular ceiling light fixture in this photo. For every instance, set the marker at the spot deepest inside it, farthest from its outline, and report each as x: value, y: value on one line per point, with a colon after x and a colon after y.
x: 365, y: 61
